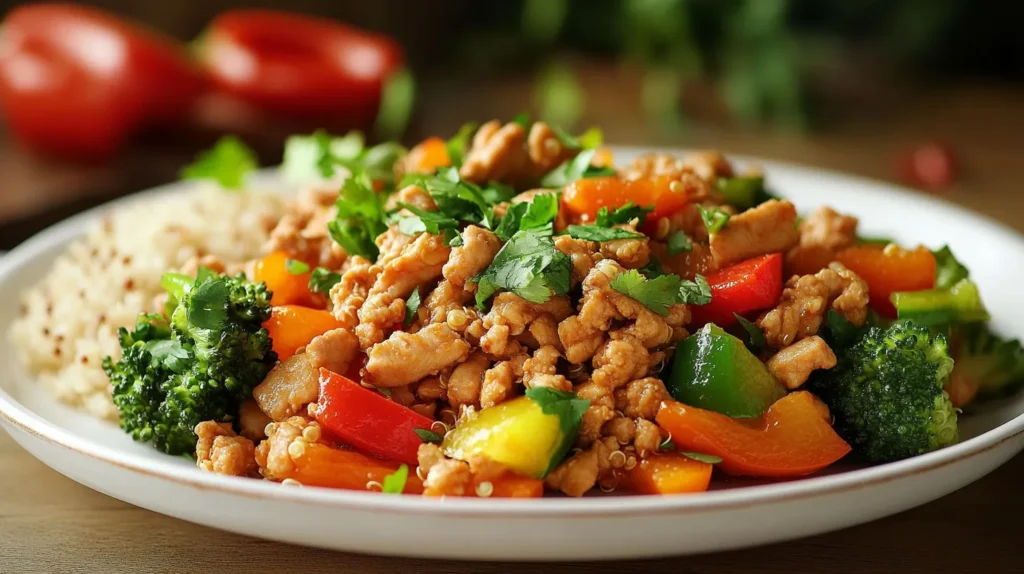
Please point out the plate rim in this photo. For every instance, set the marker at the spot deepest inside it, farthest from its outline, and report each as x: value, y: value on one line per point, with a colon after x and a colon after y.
x: 22, y: 418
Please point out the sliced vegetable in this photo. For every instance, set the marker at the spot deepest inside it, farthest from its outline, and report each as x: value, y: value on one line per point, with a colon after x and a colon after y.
x: 747, y: 286
x: 277, y: 270
x: 322, y: 465
x: 714, y: 370
x: 794, y: 437
x: 669, y: 473
x: 428, y: 155
x: 888, y: 270
x: 742, y: 192
x: 960, y: 303
x: 529, y: 434
x: 367, y: 420
x: 292, y: 327
x: 584, y: 197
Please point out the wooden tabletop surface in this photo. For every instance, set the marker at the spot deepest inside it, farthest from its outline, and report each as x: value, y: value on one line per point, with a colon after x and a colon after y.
x: 49, y: 523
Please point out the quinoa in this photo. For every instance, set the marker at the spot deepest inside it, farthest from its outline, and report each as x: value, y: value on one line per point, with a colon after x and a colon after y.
x: 103, y: 281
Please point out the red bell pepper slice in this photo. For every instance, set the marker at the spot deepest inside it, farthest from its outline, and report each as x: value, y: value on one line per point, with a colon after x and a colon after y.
x: 299, y: 65
x: 747, y: 286
x: 77, y: 82
x: 793, y: 438
x: 367, y: 420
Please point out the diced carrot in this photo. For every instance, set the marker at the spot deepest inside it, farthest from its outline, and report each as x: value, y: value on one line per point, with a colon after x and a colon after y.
x: 670, y: 473
x: 890, y: 269
x: 292, y: 327
x: 512, y: 485
x: 288, y: 288
x: 584, y: 197
x: 322, y: 465
x: 428, y: 155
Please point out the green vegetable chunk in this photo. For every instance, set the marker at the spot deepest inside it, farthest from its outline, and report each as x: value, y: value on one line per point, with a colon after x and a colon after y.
x: 714, y: 370
x: 994, y: 364
x: 530, y: 434
x: 742, y: 192
x: 960, y: 303
x: 886, y: 393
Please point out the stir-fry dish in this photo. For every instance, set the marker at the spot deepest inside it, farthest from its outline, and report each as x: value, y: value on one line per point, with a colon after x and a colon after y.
x: 508, y: 313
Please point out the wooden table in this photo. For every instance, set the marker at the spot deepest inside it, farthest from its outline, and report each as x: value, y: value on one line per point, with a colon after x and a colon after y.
x: 50, y: 524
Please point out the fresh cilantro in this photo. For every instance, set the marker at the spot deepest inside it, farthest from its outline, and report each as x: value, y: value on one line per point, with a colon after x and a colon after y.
x: 948, y: 270
x: 623, y: 214
x: 427, y: 435
x: 527, y: 265
x: 378, y: 162
x: 755, y: 336
x: 424, y: 221
x: 714, y: 219
x: 317, y: 155
x: 496, y: 192
x: 678, y: 242
x: 576, y: 168
x: 322, y: 280
x: 209, y: 304
x: 595, y: 233
x: 509, y: 224
x: 458, y: 199
x: 296, y: 267
x: 412, y: 304
x: 701, y: 457
x: 590, y: 139
x: 840, y: 333
x: 667, y: 444
x: 227, y: 163
x: 452, y: 238
x: 459, y: 143
x: 397, y: 99
x: 652, y: 269
x: 696, y: 292
x: 568, y: 408
x: 523, y: 119
x: 394, y: 483
x: 170, y: 353
x: 360, y: 218
x: 657, y: 294
x: 537, y: 213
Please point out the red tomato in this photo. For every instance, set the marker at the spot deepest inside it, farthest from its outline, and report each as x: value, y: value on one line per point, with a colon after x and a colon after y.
x: 77, y: 82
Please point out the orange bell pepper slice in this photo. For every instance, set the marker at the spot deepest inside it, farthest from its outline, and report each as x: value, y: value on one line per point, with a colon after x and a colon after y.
x: 889, y: 270
x: 584, y: 197
x: 793, y: 438
x: 292, y: 327
x: 428, y: 155
x: 323, y: 465
x: 670, y: 473
x: 288, y: 288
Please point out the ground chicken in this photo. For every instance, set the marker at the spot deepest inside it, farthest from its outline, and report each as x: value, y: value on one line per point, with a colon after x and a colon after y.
x: 220, y: 451
x: 546, y: 149
x: 420, y: 263
x: 333, y: 350
x: 767, y: 228
x: 541, y: 370
x: 446, y: 298
x: 581, y: 252
x: 630, y: 253
x: 408, y: 357
x: 600, y: 411
x: 302, y: 233
x: 806, y: 299
x: 413, y: 195
x: 581, y: 471
x: 479, y: 246
x: 822, y: 236
x: 500, y: 379
x: 288, y: 387
x: 498, y: 154
x: 349, y: 294
x: 544, y: 332
x: 509, y: 317
x: 466, y: 379
x: 390, y: 244
x: 641, y: 398
x: 252, y: 421
x: 794, y: 364
x: 275, y: 454
x: 619, y: 361
x: 648, y: 437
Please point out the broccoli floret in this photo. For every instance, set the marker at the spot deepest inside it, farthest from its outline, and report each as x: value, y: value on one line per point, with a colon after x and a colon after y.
x: 199, y: 365
x: 886, y: 393
x: 995, y: 365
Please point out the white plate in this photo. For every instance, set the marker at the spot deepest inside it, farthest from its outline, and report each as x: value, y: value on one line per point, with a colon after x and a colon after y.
x: 98, y: 455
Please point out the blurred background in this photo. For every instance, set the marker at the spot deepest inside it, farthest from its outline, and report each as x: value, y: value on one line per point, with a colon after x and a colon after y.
x: 926, y: 93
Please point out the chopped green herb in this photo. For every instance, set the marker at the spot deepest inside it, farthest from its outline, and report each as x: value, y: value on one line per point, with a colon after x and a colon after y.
x: 170, y: 353
x: 714, y: 219
x: 360, y: 218
x: 948, y: 270
x: 595, y: 233
x: 755, y: 336
x: 209, y: 304
x: 296, y: 267
x: 427, y: 435
x: 227, y: 163
x: 309, y: 157
x: 509, y: 224
x: 696, y: 292
x: 537, y: 213
x: 624, y: 214
x: 495, y: 192
x: 412, y: 304
x: 459, y: 143
x: 322, y: 280
x: 678, y: 242
x: 424, y: 221
x: 701, y: 457
x: 576, y: 168
x: 455, y: 198
x: 527, y: 265
x: 452, y: 238
x: 394, y: 483
x: 564, y: 404
x: 590, y: 139
x: 667, y: 444
x: 657, y: 294
x: 653, y: 269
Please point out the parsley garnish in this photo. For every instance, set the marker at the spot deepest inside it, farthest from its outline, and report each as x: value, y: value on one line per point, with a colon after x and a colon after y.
x: 567, y: 407
x: 696, y: 292
x: 624, y: 214
x: 595, y: 233
x: 360, y: 218
x: 537, y: 213
x: 741, y: 192
x: 169, y: 352
x: 714, y: 219
x: 424, y: 221
x: 394, y: 483
x: 227, y: 163
x: 458, y: 199
x: 678, y: 242
x: 755, y: 336
x: 948, y: 270
x: 527, y: 265
x: 459, y: 143
x: 427, y: 435
x: 296, y: 267
x: 661, y: 292
x: 576, y: 168
x: 701, y: 457
x: 322, y: 280
x: 452, y: 238
x: 209, y: 304
x: 412, y: 304
x: 308, y: 157
x: 653, y: 269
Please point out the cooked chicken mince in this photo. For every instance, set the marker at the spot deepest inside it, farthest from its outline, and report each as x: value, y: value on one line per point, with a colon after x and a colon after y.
x: 510, y: 313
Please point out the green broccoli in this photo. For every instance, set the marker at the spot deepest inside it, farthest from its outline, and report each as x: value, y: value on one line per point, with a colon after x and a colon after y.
x: 199, y: 365
x: 994, y: 364
x: 886, y: 392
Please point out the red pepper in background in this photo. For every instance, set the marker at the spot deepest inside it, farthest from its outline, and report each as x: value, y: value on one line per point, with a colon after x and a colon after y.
x: 77, y: 82
x: 747, y: 286
x: 367, y: 420
x: 299, y: 65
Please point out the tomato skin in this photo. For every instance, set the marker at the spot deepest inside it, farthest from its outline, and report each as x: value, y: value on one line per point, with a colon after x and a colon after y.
x: 747, y: 286
x: 298, y: 65
x: 77, y: 82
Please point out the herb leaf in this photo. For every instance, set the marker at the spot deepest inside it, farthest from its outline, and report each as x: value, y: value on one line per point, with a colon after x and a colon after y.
x: 542, y: 210
x: 701, y: 457
x: 568, y: 408
x: 360, y: 218
x: 322, y: 280
x: 742, y: 192
x: 296, y: 267
x: 657, y: 294
x: 394, y: 483
x: 948, y: 270
x: 590, y: 139
x: 227, y: 163
x: 209, y: 305
x: 653, y: 269
x: 308, y: 157
x: 678, y: 242
x: 412, y: 304
x: 573, y: 169
x: 696, y: 292
x: 623, y: 214
x: 595, y: 233
x: 170, y: 353
x: 527, y: 265
x: 667, y: 444
x: 755, y: 336
x: 523, y: 119
x: 424, y: 221
x: 714, y: 219
x: 427, y: 435
x: 459, y: 200
x: 459, y: 143
x: 398, y: 96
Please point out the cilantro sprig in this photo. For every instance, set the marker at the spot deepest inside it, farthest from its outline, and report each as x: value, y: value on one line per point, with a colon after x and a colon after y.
x: 678, y: 243
x: 527, y: 265
x: 412, y: 305
x: 317, y: 155
x: 459, y: 143
x: 576, y: 168
x: 228, y: 162
x: 714, y: 219
x: 597, y: 233
x: 539, y: 212
x: 661, y: 292
x: 360, y: 217
x: 321, y: 280
x: 623, y: 214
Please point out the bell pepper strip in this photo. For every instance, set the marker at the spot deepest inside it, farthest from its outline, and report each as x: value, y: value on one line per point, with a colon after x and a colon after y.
x: 670, y: 473
x: 713, y: 370
x: 292, y: 327
x: 889, y: 270
x: 288, y: 288
x: 59, y: 98
x: 298, y: 65
x: 530, y: 434
x: 960, y: 303
x: 794, y: 438
x: 747, y: 286
x: 323, y: 465
x: 584, y: 197
x: 367, y: 420
x: 427, y: 156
